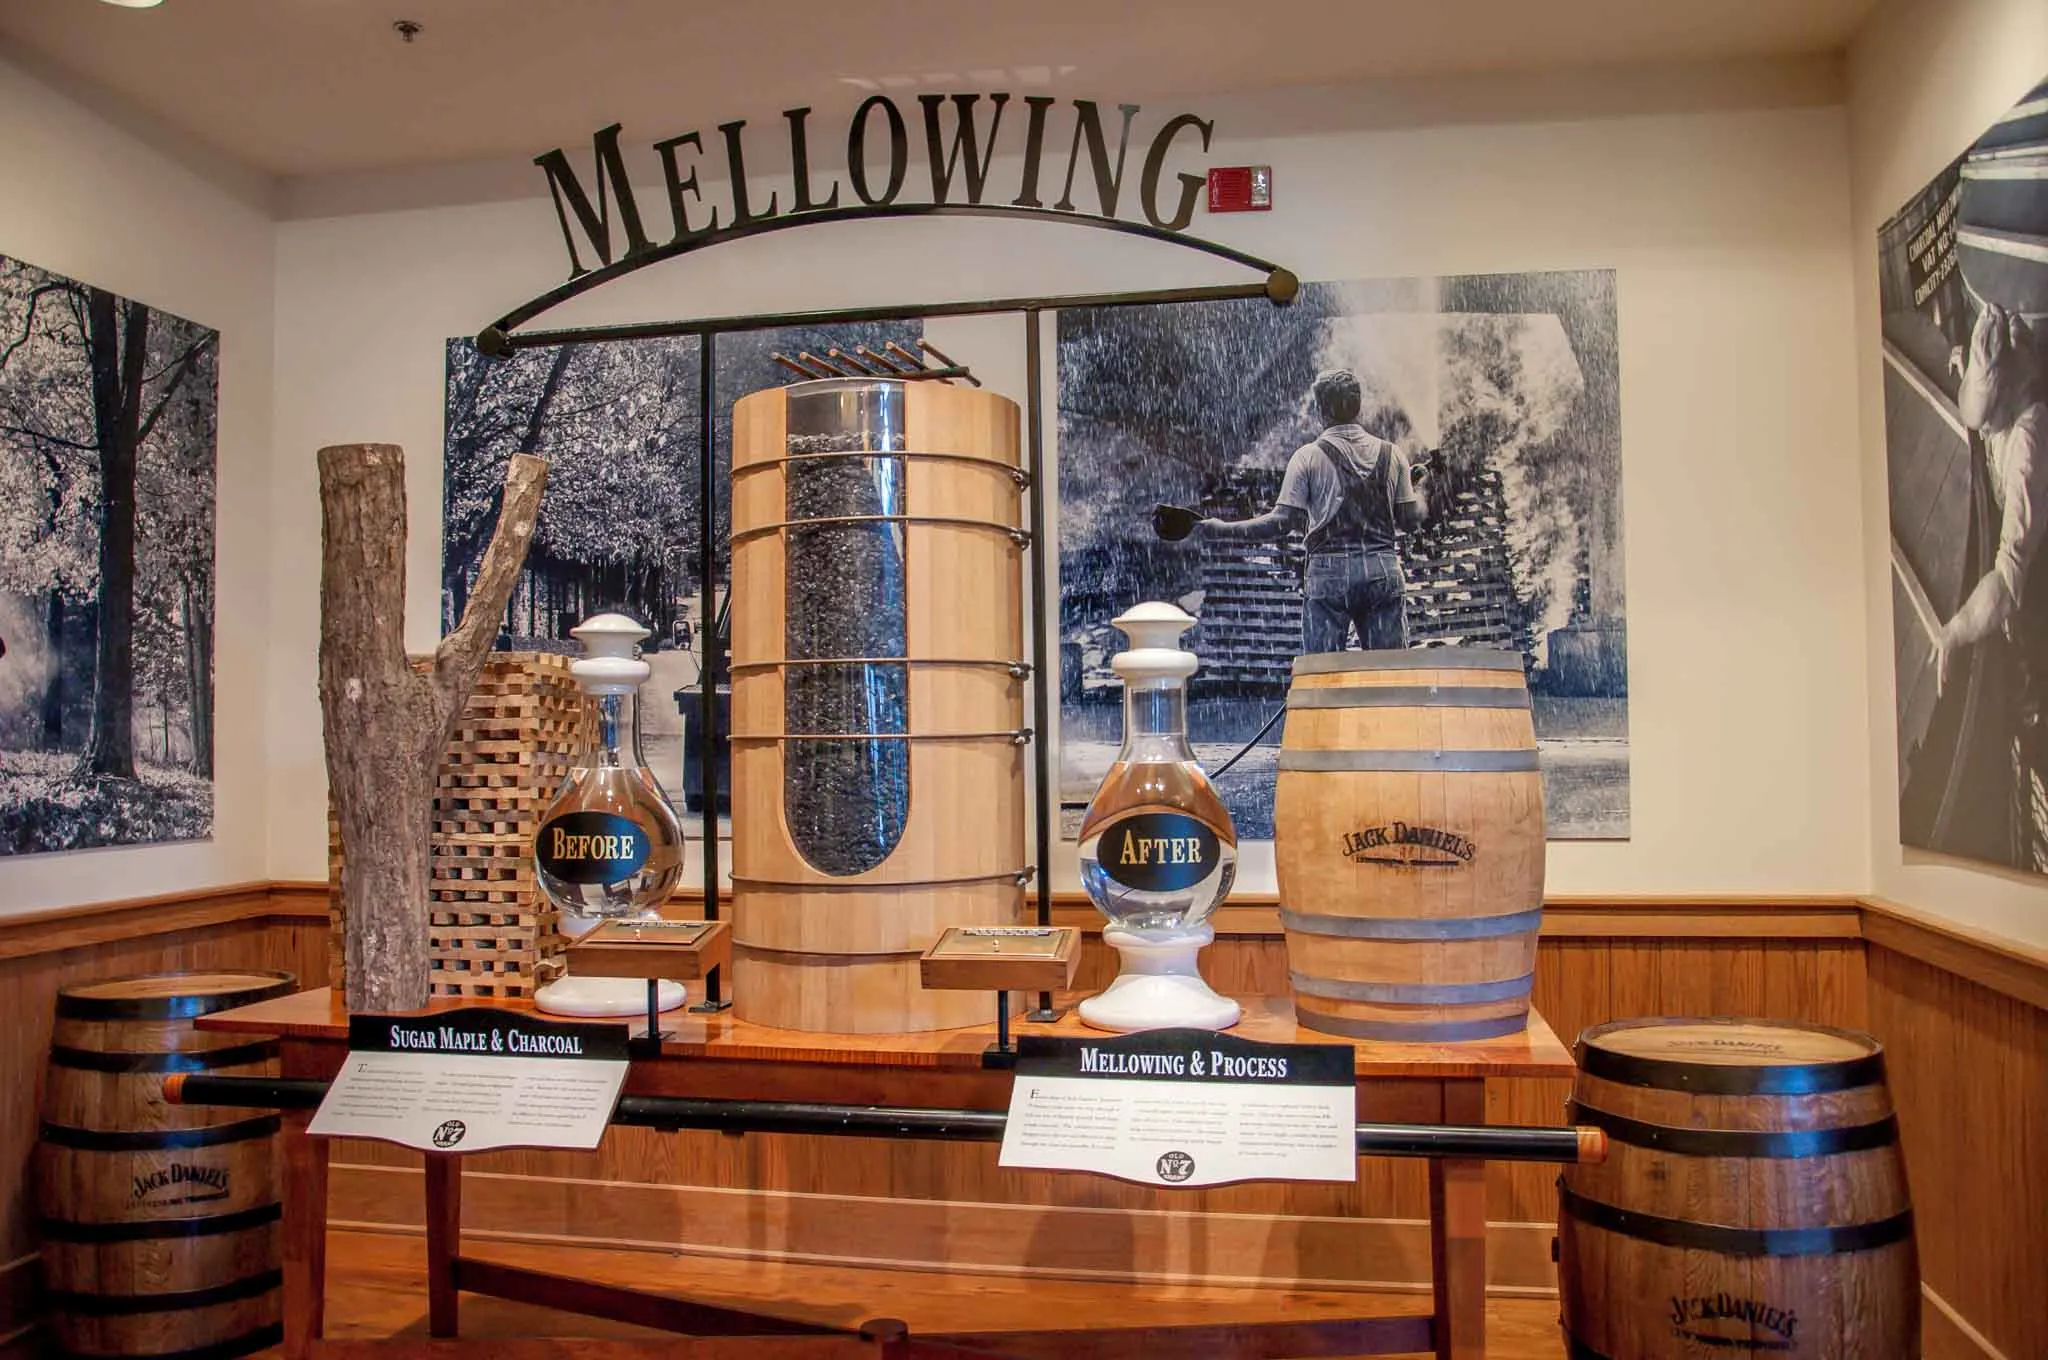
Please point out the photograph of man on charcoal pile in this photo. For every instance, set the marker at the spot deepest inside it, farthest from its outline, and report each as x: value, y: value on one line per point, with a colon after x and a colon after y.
x: 1384, y: 464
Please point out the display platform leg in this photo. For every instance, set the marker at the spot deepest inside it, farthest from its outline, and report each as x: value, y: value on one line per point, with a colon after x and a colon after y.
x: 444, y: 1242
x: 1457, y: 1234
x: 305, y: 1235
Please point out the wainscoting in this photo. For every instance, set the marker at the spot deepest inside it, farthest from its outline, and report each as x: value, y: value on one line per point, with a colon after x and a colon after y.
x: 1965, y: 1022
x: 1969, y: 1069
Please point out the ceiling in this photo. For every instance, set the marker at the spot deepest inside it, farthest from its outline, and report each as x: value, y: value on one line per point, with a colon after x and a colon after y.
x: 297, y: 88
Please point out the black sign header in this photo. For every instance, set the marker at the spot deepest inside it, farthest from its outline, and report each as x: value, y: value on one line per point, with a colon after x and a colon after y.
x: 1196, y: 1055
x: 480, y: 1031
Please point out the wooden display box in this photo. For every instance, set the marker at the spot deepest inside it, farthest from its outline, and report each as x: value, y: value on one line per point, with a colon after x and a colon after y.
x: 683, y: 950
x: 491, y: 932
x: 1014, y: 958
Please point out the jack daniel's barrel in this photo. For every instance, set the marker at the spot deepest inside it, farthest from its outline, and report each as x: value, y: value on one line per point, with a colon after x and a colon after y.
x: 1408, y: 834
x: 877, y: 696
x: 1753, y: 1201
x: 158, y: 1222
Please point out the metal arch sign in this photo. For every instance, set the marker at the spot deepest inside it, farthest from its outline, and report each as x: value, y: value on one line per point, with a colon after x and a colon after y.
x: 607, y: 233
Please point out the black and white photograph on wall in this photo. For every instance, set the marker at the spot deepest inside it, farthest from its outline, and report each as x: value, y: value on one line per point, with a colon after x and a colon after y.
x: 1963, y: 285
x: 108, y: 416
x: 1388, y: 463
x: 619, y: 526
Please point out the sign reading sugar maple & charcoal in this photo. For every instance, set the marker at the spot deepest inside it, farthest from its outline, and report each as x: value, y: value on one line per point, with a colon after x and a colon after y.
x: 889, y: 170
x: 475, y: 1078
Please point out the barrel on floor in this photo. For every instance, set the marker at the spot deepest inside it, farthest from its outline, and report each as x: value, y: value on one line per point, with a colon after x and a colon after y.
x: 1753, y: 1201
x: 158, y: 1223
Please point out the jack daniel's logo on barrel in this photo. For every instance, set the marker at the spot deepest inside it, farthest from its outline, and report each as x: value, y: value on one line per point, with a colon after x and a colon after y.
x: 1158, y: 851
x: 1694, y: 1319
x: 1408, y: 847
x: 591, y: 847
x: 206, y: 1182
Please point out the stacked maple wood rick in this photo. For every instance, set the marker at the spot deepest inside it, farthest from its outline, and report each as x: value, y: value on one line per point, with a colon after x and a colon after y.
x: 877, y: 697
x: 491, y: 931
x: 1409, y: 841
x: 1753, y: 1201
x: 158, y: 1222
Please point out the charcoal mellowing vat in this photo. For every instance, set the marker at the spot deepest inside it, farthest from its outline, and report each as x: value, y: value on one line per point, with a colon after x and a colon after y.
x: 877, y: 696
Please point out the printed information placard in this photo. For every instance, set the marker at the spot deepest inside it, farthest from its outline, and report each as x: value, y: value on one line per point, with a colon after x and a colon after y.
x: 473, y: 1079
x: 1184, y: 1107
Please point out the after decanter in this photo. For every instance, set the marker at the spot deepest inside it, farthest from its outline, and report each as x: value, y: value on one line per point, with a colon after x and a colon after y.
x: 609, y: 845
x: 1158, y: 851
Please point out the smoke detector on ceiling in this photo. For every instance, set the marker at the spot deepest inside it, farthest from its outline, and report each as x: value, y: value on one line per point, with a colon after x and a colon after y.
x: 136, y: 4
x: 407, y: 29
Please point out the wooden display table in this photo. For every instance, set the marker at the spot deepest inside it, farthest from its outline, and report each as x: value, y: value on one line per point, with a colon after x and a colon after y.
x: 721, y: 1058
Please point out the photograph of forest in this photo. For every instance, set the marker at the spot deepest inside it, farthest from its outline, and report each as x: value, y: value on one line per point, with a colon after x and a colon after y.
x: 620, y: 426
x: 108, y: 414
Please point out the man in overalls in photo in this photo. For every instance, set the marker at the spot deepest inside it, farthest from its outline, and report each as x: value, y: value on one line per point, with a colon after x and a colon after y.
x: 1350, y: 489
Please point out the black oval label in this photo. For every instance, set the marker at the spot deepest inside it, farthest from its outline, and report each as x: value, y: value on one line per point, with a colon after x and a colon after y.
x: 591, y: 847
x: 1157, y: 851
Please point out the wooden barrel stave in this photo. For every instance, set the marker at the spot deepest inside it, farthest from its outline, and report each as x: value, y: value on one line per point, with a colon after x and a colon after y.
x: 159, y: 1223
x: 1662, y: 1248
x: 250, y: 1317
x: 852, y: 993
x: 146, y: 1265
x: 867, y: 919
x: 1433, y: 938
x: 820, y: 944
x: 938, y: 558
x: 87, y: 1094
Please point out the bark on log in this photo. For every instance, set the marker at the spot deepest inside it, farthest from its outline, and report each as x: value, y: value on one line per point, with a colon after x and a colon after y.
x: 386, y: 725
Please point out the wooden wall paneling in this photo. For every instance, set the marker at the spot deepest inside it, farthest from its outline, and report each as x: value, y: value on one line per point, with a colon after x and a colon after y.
x: 1969, y: 1072
x: 1961, y: 1016
x: 46, y: 932
x: 20, y: 1298
x: 2005, y: 966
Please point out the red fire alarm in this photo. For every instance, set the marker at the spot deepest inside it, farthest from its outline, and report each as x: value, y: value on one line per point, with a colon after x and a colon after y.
x: 1241, y: 188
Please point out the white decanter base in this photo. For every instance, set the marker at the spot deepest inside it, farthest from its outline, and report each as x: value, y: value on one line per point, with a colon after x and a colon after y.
x: 1159, y: 985
x: 604, y: 997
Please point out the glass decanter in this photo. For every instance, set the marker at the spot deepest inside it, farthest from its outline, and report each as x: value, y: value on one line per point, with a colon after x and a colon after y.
x: 1158, y: 851
x: 609, y: 845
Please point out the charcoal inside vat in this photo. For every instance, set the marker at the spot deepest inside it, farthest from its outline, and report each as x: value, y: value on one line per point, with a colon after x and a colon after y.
x: 845, y: 801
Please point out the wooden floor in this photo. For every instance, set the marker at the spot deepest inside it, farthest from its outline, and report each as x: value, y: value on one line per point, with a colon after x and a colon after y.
x: 375, y: 1289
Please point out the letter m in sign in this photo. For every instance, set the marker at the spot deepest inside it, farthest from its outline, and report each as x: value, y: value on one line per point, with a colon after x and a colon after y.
x: 596, y: 222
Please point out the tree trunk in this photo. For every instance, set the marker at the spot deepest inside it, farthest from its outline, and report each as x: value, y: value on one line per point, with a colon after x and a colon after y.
x: 53, y: 691
x: 118, y: 360
x: 199, y: 678
x: 385, y: 724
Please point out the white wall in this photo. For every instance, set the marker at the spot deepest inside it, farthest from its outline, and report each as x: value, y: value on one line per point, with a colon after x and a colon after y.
x: 1730, y: 232
x: 1926, y: 78
x: 85, y: 199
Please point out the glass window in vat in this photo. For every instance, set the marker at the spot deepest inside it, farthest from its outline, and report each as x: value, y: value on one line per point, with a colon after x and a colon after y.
x: 846, y: 799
